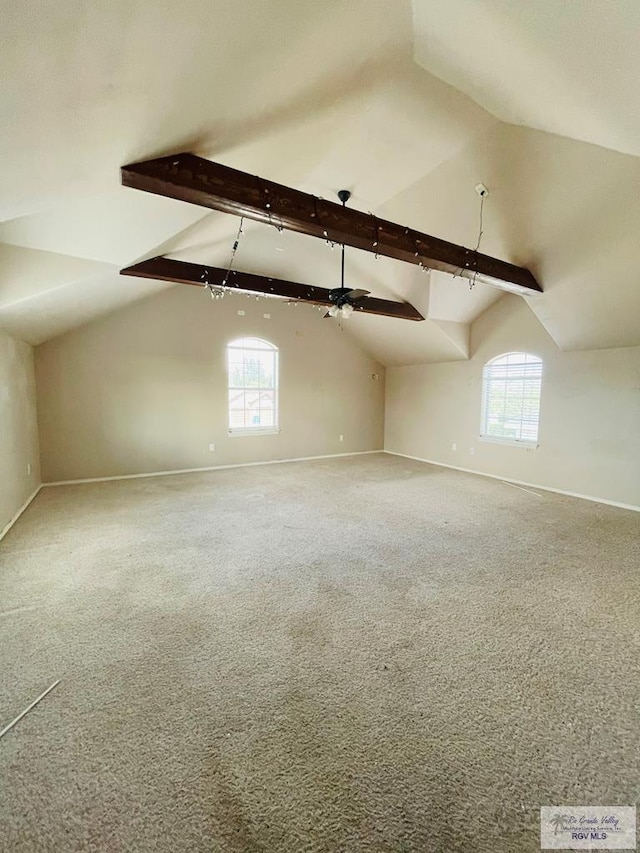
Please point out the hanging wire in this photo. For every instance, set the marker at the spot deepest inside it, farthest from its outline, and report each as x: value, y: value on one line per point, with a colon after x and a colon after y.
x: 233, y: 252
x: 475, y: 251
x: 218, y: 291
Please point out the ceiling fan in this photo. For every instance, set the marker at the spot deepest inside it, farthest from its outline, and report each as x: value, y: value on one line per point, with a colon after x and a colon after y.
x: 345, y: 299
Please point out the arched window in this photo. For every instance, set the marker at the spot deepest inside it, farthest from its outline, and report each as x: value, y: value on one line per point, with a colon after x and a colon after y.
x: 252, y: 371
x: 511, y: 398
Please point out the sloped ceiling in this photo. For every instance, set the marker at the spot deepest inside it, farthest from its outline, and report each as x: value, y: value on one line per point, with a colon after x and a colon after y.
x: 320, y: 97
x: 562, y: 67
x: 567, y: 210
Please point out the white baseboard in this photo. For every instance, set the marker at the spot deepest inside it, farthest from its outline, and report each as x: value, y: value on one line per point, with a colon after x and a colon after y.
x: 208, y: 468
x: 510, y: 482
x: 8, y: 526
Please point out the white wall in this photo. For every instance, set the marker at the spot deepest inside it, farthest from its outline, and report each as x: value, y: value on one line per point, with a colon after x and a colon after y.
x: 144, y: 389
x: 18, y: 428
x: 589, y: 440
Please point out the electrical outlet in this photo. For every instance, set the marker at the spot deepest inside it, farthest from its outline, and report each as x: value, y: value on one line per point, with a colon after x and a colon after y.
x: 212, y: 447
x: 454, y: 446
x: 267, y: 316
x: 341, y: 438
x: 29, y: 469
x: 241, y: 313
x: 472, y: 450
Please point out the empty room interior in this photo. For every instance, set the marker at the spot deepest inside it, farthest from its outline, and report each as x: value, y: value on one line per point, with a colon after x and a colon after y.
x: 319, y: 426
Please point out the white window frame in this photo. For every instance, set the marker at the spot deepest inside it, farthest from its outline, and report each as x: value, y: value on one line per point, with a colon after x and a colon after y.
x: 529, y: 359
x: 267, y: 346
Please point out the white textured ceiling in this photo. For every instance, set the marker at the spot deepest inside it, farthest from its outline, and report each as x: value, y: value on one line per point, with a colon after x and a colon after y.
x: 320, y: 97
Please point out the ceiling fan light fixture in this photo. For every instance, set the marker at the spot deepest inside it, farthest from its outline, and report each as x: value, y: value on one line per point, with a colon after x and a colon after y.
x: 346, y: 310
x: 334, y: 311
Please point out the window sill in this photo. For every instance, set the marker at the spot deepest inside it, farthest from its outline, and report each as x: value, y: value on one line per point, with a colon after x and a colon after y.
x: 513, y: 442
x: 240, y: 431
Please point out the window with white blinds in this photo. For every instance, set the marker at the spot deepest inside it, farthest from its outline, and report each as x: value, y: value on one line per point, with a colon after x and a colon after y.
x: 252, y: 371
x: 511, y: 386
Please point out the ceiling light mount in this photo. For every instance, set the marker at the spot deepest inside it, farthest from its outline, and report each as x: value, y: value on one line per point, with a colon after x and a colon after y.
x: 344, y: 196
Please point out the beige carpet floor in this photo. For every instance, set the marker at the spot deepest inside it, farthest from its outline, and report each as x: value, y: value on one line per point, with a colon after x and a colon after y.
x: 362, y: 654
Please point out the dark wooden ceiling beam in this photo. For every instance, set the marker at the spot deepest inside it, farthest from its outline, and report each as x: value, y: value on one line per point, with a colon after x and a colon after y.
x: 183, y: 272
x: 199, y: 181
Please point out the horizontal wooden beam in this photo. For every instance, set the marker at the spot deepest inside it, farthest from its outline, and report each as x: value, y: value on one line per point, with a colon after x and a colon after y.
x: 199, y: 181
x: 182, y: 272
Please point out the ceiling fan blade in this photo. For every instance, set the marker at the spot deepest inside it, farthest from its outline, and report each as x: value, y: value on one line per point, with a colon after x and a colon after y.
x: 200, y: 275
x: 357, y: 294
x: 387, y: 308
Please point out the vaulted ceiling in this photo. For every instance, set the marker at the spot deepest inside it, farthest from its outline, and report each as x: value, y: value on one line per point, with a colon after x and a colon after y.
x: 408, y: 105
